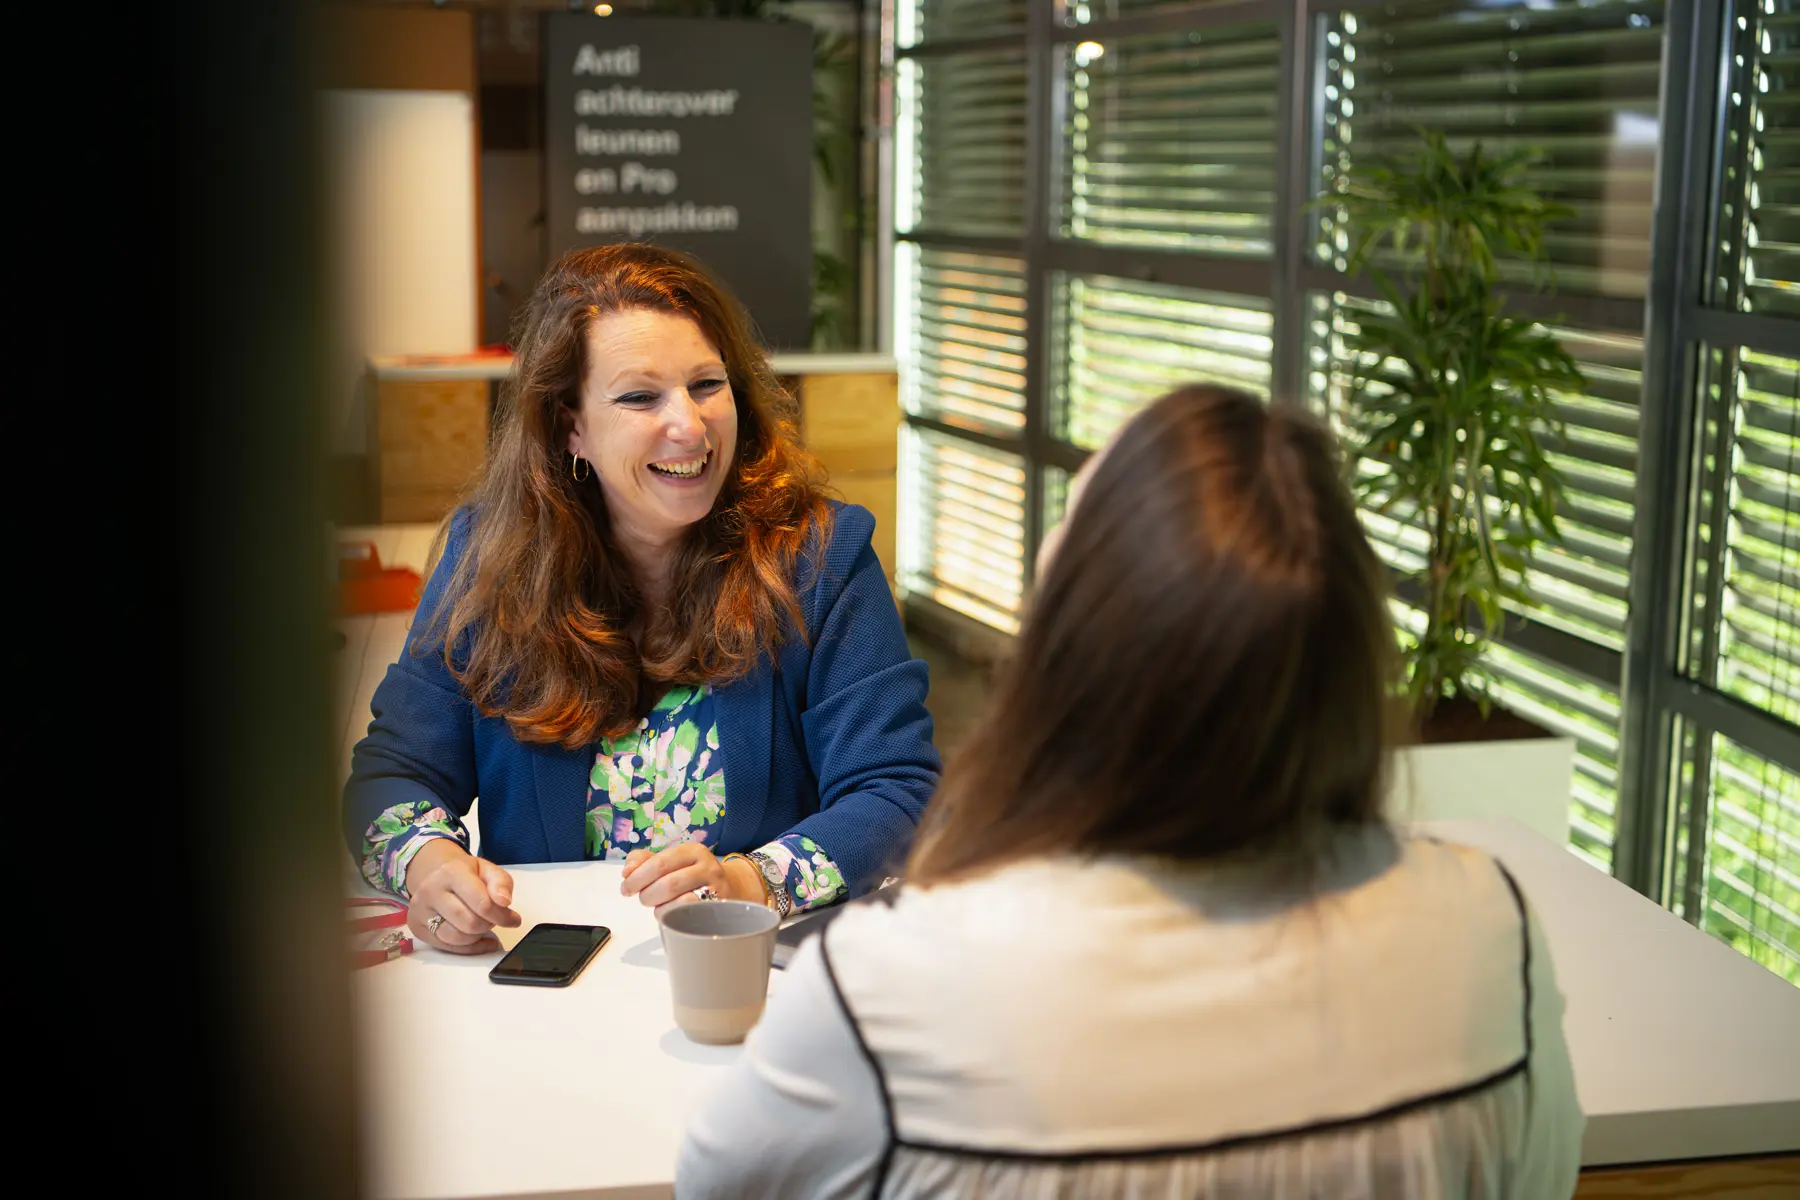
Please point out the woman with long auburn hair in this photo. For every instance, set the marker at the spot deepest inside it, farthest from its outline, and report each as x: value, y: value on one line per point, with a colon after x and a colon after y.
x: 1156, y: 937
x: 648, y: 635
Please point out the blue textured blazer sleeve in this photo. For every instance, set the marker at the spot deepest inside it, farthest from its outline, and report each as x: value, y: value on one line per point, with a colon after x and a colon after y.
x: 421, y: 740
x: 867, y: 732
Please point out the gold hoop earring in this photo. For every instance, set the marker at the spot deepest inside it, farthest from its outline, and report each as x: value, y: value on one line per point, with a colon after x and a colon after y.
x: 576, y: 462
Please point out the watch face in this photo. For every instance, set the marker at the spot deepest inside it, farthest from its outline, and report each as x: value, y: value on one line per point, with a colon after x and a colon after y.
x: 772, y: 875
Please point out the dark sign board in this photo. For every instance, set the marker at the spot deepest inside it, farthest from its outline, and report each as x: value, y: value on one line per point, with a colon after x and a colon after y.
x: 691, y: 134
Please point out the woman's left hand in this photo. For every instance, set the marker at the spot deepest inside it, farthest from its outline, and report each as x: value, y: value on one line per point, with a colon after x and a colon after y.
x: 659, y: 878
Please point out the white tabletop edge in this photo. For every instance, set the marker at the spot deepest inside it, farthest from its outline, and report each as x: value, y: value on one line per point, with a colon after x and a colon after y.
x: 1669, y: 1029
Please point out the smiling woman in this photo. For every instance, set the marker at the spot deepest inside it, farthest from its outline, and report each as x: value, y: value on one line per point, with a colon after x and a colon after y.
x: 648, y: 636
x: 658, y: 423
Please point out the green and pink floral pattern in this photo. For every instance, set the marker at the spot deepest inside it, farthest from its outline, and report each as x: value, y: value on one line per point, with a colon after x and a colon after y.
x: 397, y: 835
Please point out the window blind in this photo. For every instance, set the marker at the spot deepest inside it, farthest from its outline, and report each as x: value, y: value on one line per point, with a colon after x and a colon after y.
x: 1759, y: 218
x: 1579, y: 587
x: 964, y: 349
x: 1751, y: 896
x: 1561, y: 701
x: 960, y: 143
x: 960, y: 329
x: 964, y: 543
x: 1578, y: 81
x: 1056, y: 495
x: 1170, y: 140
x: 1123, y: 343
x: 1741, y: 881
x: 1759, y: 642
x: 919, y: 21
x: 1746, y: 642
x: 1084, y: 12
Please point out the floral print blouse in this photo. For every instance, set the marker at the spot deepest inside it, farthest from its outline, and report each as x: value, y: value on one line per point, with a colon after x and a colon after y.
x: 659, y: 785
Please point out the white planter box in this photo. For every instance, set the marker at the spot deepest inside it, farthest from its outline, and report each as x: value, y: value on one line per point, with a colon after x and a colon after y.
x: 1529, y: 780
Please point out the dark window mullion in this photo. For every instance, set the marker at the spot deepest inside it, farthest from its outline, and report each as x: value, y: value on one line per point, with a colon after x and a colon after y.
x: 1045, y: 101
x: 1692, y: 54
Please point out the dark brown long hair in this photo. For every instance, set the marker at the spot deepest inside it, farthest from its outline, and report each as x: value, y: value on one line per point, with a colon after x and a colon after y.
x: 1203, y: 672
x: 541, y: 609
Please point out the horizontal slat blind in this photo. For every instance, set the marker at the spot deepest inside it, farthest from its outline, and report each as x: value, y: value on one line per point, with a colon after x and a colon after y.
x: 1736, y: 864
x: 1123, y: 343
x: 1566, y: 704
x: 1578, y: 81
x: 1056, y: 496
x: 1752, y: 896
x: 920, y: 21
x: 1579, y: 587
x: 1759, y: 220
x: 961, y: 143
x: 1170, y: 140
x: 964, y: 543
x: 1759, y: 643
x: 1086, y: 12
x: 964, y: 349
x: 960, y: 124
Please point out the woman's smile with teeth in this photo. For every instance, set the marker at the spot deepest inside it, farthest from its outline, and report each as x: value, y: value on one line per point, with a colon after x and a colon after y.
x: 682, y: 469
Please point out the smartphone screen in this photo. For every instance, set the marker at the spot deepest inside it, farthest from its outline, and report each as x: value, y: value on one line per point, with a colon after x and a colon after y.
x: 550, y: 955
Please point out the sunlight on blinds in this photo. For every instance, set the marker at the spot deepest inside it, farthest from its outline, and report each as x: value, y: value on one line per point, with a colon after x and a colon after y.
x: 964, y: 546
x: 1123, y: 343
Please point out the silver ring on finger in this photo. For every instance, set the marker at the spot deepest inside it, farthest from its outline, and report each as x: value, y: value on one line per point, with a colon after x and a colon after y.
x: 705, y: 892
x: 431, y: 926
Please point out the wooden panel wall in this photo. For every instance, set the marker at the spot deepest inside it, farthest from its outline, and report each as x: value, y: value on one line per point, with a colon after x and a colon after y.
x: 852, y: 422
x: 427, y: 442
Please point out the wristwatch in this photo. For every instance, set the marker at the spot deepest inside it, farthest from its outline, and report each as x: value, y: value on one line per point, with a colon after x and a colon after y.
x: 775, y: 880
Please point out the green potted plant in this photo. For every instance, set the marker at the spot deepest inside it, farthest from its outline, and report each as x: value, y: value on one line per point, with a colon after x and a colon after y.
x: 1452, y: 399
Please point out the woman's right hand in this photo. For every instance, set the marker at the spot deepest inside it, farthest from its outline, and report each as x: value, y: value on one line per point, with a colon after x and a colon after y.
x: 471, y: 894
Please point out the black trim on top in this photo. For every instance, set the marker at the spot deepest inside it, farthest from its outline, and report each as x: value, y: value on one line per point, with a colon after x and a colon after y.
x: 1235, y: 1141
x: 1512, y: 885
x: 887, y: 1103
x: 1525, y: 951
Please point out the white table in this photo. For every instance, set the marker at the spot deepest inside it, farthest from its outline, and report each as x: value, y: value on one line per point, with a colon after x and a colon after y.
x: 1682, y: 1049
x: 472, y: 1088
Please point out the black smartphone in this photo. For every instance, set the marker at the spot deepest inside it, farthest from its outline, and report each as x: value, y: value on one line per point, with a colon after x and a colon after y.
x: 550, y: 955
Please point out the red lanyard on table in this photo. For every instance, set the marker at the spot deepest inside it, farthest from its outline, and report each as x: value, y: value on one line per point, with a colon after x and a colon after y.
x: 389, y: 945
